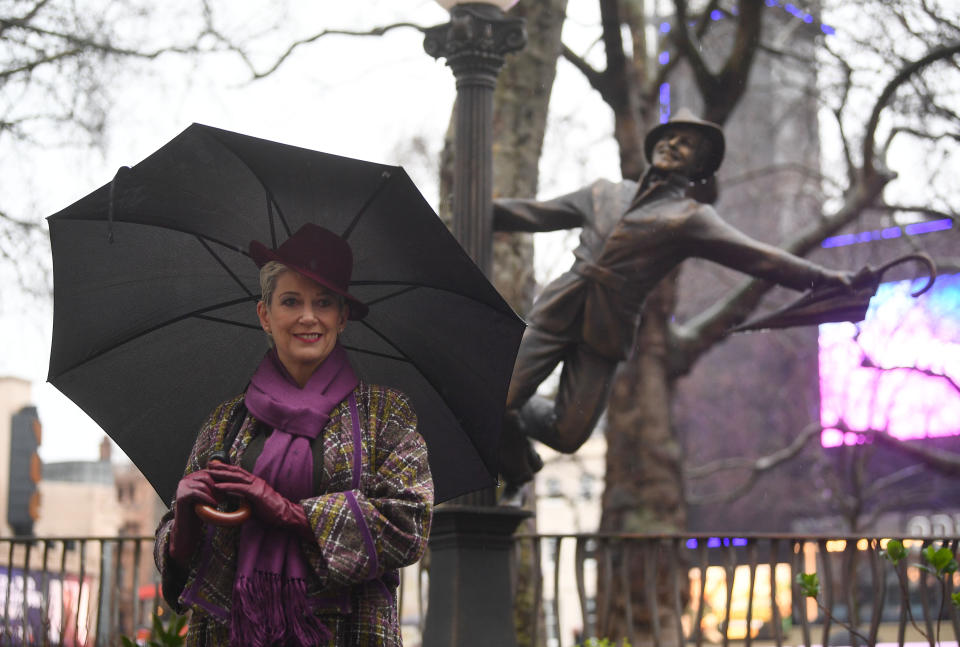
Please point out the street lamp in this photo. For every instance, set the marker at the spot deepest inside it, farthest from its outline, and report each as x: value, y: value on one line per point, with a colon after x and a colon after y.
x: 474, y: 44
x: 470, y: 602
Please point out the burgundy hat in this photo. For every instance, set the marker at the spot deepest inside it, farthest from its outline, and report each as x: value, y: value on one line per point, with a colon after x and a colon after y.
x: 710, y: 130
x: 318, y: 254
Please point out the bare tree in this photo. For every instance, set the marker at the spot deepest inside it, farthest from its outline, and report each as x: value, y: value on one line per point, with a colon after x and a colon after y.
x: 62, y: 64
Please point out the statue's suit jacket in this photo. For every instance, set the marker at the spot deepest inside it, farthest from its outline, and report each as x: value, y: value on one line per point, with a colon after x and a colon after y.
x: 632, y: 236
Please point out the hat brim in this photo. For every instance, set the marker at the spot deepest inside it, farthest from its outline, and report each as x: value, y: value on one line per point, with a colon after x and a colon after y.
x: 712, y: 133
x: 261, y: 255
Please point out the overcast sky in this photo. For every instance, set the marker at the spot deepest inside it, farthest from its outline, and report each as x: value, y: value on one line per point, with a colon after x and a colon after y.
x: 359, y: 97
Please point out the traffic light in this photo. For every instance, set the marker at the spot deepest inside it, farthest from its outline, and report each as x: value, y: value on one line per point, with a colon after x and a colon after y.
x: 23, y: 505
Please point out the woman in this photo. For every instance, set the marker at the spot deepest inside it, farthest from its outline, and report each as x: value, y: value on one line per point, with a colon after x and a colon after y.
x: 333, y: 469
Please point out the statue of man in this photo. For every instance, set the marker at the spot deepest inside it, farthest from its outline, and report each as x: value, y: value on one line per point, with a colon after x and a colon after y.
x: 632, y: 236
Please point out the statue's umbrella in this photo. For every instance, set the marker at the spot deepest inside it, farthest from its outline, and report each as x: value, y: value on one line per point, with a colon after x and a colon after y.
x: 154, y: 298
x: 834, y: 303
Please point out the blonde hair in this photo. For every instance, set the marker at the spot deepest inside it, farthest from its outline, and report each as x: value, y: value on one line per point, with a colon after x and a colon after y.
x: 269, y: 274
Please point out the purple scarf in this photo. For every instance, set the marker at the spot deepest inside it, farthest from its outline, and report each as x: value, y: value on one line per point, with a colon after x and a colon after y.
x: 270, y: 591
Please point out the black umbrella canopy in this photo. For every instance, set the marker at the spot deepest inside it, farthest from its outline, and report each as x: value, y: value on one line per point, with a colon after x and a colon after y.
x: 154, y: 298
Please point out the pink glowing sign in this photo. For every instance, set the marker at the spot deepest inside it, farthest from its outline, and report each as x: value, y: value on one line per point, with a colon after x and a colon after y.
x: 899, y: 370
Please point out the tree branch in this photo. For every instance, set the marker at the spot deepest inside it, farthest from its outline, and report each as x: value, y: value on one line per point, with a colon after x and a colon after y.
x: 757, y: 467
x: 903, y: 75
x: 297, y: 44
x: 594, y: 77
x: 945, y: 462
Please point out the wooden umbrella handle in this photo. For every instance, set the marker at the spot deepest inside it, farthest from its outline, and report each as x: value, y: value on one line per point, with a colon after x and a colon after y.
x: 220, y: 518
x: 211, y: 515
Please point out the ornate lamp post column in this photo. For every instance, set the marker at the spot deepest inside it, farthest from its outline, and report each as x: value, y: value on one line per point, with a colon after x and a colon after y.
x: 474, y: 43
x: 470, y: 601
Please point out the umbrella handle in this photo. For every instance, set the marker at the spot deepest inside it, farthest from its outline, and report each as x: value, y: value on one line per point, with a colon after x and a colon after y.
x: 216, y: 517
x: 921, y: 258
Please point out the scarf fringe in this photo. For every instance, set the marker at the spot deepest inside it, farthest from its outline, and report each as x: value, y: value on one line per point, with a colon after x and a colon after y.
x: 269, y: 610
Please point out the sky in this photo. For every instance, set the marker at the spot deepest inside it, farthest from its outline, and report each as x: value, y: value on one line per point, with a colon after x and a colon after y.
x: 361, y: 97
x: 366, y: 98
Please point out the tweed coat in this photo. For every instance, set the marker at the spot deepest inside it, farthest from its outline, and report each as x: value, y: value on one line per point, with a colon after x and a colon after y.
x: 365, y: 527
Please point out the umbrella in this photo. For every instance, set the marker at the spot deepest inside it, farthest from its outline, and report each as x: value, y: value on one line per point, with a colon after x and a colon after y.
x: 154, y: 298
x: 835, y: 303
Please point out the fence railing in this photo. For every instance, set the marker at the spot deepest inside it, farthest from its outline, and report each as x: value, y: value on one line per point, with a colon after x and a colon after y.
x: 658, y: 590
x: 717, y: 590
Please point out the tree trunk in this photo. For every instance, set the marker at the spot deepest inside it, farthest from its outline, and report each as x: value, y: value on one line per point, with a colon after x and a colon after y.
x: 644, y: 488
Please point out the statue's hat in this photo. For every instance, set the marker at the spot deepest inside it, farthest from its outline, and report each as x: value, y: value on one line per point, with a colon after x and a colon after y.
x: 710, y: 130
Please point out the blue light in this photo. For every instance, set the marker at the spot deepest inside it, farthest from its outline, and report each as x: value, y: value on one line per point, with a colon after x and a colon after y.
x: 838, y: 241
x: 664, y: 103
x: 807, y: 18
x: 739, y: 541
x: 664, y: 58
x: 890, y: 232
x: 927, y: 227
x: 691, y: 543
x: 713, y: 542
x: 772, y: 3
x: 716, y: 14
x: 792, y: 9
x: 664, y: 28
x: 828, y: 30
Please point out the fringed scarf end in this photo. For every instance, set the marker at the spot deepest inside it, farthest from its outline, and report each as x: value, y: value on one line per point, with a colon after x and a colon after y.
x: 268, y: 609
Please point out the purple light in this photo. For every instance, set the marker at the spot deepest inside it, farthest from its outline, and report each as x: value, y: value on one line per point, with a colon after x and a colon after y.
x: 807, y: 18
x: 839, y: 241
x: 927, y: 227
x: 664, y: 103
x: 828, y: 30
x: 890, y: 232
x: 664, y: 28
x: 716, y: 14
x: 738, y: 541
x: 664, y: 58
x: 691, y: 543
x: 713, y: 542
x: 772, y: 3
x: 896, y: 371
x: 792, y: 9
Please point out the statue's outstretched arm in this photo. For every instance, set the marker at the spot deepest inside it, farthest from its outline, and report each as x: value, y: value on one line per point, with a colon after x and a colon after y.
x: 565, y: 212
x: 716, y: 240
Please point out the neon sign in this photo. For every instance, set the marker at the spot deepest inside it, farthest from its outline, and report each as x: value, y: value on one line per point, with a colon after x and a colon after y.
x: 899, y: 370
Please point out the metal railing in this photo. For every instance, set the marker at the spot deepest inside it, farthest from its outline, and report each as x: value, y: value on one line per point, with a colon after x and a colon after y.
x: 743, y: 589
x: 76, y: 590
x: 90, y: 591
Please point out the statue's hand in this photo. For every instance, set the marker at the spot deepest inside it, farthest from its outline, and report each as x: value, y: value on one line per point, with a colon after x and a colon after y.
x: 852, y: 280
x: 864, y: 277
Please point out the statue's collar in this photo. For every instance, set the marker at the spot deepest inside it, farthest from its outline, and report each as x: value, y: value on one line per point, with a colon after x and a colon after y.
x: 655, y: 179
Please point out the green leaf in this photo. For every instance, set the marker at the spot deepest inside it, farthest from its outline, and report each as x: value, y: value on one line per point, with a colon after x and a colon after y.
x: 939, y: 558
x: 955, y: 598
x: 809, y: 584
x: 127, y: 642
x: 895, y: 552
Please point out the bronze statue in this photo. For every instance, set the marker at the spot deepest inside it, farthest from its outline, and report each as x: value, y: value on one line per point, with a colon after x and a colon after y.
x: 633, y: 235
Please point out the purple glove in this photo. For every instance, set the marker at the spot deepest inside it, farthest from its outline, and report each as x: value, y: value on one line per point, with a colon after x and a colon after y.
x: 270, y: 506
x: 196, y: 487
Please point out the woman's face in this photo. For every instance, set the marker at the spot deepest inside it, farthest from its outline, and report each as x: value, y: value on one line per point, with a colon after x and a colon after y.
x: 304, y: 319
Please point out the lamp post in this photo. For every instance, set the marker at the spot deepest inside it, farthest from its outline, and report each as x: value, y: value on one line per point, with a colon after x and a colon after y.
x: 474, y: 44
x: 470, y: 601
